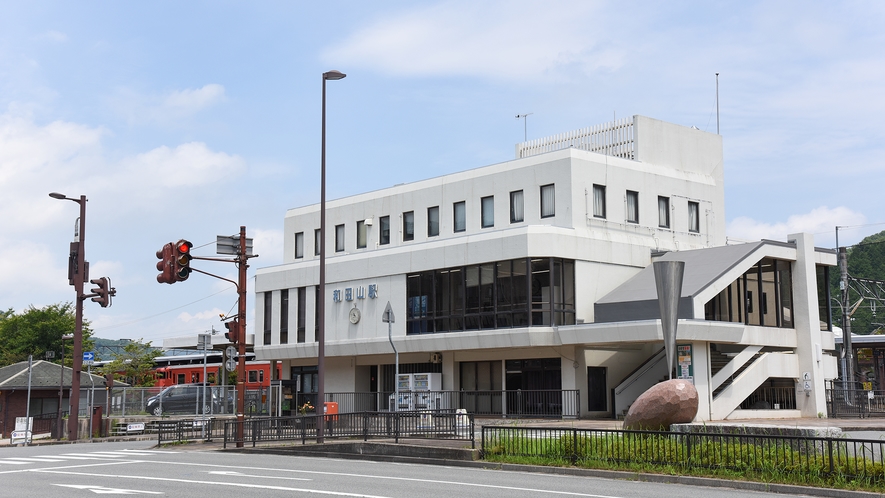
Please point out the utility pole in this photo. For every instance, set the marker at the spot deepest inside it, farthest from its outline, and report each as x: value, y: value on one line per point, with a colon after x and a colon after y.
x: 847, y: 348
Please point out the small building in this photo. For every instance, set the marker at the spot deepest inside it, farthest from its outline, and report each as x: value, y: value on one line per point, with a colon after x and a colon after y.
x: 46, y: 380
x: 525, y: 288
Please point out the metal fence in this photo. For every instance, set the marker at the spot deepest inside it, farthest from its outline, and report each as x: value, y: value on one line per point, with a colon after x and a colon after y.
x: 834, y: 458
x: 441, y: 424
x: 552, y: 403
x: 196, y: 429
x: 846, y: 403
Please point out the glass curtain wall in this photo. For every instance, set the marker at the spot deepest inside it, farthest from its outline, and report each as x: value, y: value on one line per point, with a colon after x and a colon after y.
x: 502, y: 294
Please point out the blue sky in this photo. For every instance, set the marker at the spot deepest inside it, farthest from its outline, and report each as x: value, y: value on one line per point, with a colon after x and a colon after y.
x: 189, y: 119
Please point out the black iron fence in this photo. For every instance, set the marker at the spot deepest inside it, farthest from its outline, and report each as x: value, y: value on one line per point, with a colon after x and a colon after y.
x: 845, y: 403
x: 552, y: 403
x: 834, y: 458
x: 195, y: 429
x: 439, y: 424
x: 771, y: 398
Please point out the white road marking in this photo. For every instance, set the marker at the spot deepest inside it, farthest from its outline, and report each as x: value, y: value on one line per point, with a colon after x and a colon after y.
x: 13, y: 462
x: 214, y: 483
x: 34, y: 459
x: 101, y: 490
x: 240, y: 474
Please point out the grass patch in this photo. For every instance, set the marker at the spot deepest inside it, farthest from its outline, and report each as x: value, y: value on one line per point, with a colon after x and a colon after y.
x: 796, y: 461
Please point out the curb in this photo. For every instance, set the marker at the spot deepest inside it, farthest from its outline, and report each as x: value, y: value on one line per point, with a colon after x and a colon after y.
x: 708, y: 482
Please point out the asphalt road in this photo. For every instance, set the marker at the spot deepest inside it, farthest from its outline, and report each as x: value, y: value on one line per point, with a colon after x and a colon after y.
x: 136, y: 468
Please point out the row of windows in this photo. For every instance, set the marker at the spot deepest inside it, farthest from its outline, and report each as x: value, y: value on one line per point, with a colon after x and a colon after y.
x: 459, y: 221
x: 301, y: 296
x: 632, y: 205
x: 514, y: 293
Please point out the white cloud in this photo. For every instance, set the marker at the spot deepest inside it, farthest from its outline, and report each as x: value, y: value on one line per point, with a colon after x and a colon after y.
x: 186, y: 165
x: 821, y: 220
x: 26, y: 265
x: 496, y: 40
x: 190, y: 101
x: 53, y: 36
x: 269, y: 245
x: 166, y: 109
x: 201, y: 316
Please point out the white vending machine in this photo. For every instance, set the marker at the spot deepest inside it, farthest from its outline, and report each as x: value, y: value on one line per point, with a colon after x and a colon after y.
x: 428, y: 391
x: 405, y: 385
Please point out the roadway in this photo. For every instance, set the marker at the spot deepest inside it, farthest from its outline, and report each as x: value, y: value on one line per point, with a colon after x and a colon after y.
x: 137, y: 468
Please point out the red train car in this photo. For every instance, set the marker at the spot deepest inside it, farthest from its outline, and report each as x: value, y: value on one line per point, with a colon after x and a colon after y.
x: 188, y: 369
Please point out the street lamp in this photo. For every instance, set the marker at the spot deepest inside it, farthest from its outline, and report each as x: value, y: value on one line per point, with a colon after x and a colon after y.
x: 79, y: 276
x: 61, y: 384
x: 321, y: 323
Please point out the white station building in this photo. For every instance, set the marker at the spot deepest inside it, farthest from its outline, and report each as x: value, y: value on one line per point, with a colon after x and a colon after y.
x: 526, y: 287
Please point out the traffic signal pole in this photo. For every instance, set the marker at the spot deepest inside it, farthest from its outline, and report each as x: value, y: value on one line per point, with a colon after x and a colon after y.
x: 242, y: 260
x: 175, y: 267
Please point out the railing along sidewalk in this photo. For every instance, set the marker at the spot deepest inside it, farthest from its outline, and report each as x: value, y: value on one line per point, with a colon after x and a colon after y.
x: 195, y: 429
x: 807, y: 457
x: 442, y: 424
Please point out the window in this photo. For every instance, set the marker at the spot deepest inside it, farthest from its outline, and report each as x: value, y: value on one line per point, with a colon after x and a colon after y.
x: 694, y: 222
x: 433, y: 221
x: 268, y: 316
x: 599, y: 201
x: 632, y: 207
x: 339, y: 238
x: 488, y: 211
x: 361, y: 234
x: 284, y: 316
x: 299, y: 245
x: 301, y: 313
x: 548, y: 201
x: 460, y: 215
x: 384, y: 232
x: 517, y: 208
x: 663, y: 212
x: 409, y: 225
x: 502, y: 294
x: 317, y: 241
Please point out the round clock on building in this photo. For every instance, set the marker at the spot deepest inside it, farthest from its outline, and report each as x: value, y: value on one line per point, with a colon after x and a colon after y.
x: 354, y: 315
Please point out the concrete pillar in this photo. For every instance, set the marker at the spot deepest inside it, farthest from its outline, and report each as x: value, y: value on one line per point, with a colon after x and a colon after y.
x: 806, y: 320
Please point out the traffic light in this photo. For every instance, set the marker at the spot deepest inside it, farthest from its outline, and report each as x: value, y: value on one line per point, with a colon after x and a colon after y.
x: 104, y: 291
x: 233, y: 329
x: 182, y: 266
x: 166, y: 264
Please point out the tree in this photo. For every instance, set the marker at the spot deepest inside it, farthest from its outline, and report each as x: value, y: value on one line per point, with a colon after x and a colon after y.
x: 134, y: 365
x: 38, y: 330
x: 866, y: 259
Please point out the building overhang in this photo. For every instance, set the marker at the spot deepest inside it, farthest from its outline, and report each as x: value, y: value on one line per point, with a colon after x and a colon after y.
x: 587, y: 336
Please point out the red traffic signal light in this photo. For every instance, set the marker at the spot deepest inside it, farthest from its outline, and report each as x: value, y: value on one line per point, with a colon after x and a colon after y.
x: 166, y: 264
x: 182, y: 265
x: 103, y: 292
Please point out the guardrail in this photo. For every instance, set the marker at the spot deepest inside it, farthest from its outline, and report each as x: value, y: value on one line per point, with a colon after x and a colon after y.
x: 389, y: 425
x: 838, y: 458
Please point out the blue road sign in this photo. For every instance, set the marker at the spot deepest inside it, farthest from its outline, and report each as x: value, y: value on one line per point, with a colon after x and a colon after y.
x: 88, y: 357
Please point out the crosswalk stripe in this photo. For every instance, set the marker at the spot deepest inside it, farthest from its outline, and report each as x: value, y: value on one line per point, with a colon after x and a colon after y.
x: 13, y: 462
x: 33, y: 459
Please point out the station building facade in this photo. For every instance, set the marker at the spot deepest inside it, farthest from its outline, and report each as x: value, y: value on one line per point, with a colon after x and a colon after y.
x: 534, y: 276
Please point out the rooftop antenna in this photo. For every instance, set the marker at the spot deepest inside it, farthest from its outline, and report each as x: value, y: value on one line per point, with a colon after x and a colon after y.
x: 717, y: 103
x: 524, y: 118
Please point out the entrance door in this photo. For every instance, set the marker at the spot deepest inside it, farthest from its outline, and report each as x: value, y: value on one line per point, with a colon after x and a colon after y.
x: 596, y: 389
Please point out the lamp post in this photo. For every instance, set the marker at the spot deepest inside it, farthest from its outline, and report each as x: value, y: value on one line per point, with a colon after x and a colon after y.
x: 61, y: 384
x: 79, y: 277
x: 321, y: 309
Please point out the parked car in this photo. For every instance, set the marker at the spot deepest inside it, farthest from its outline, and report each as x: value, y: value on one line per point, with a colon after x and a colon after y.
x: 188, y: 398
